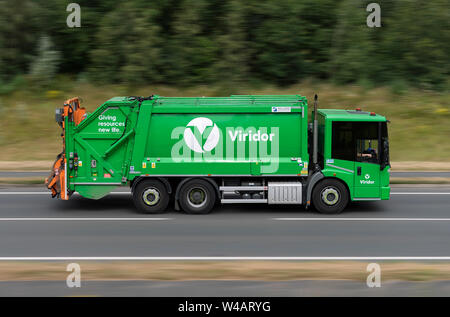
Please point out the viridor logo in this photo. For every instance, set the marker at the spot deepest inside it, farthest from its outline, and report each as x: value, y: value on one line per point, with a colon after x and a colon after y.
x: 194, y: 135
x: 367, y: 180
x: 202, y: 140
x: 203, y: 129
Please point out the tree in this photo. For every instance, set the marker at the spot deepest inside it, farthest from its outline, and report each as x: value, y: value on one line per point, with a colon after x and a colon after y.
x: 19, y: 23
x: 415, y: 46
x: 193, y: 50
x: 191, y: 42
x: 273, y: 32
x: 128, y: 46
x: 233, y: 58
x: 353, y: 45
x: 45, y: 65
x: 75, y: 44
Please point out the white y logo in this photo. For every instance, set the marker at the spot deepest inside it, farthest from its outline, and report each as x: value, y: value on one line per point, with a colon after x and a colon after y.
x: 195, y: 142
x: 367, y: 176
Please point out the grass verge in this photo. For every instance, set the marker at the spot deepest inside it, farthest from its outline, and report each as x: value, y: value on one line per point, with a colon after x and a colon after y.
x: 225, y: 270
x: 22, y: 181
x: 420, y: 180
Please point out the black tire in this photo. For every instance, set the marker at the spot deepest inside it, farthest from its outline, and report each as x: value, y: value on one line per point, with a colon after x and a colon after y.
x: 330, y: 196
x: 197, y: 197
x: 151, y: 196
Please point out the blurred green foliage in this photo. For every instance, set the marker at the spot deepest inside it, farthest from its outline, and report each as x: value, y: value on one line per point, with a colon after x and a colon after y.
x: 228, y: 42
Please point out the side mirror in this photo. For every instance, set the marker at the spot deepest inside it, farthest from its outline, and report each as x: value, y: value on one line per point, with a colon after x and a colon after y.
x: 385, y: 155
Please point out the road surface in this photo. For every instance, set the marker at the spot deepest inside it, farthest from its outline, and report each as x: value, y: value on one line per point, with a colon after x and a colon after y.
x: 224, y: 288
x: 414, y: 223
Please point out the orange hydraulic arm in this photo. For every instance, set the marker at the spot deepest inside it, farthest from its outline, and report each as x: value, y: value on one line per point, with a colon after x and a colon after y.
x: 57, y: 180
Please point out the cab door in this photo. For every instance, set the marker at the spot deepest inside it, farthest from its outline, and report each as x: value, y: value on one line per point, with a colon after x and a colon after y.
x: 367, y: 164
x: 367, y: 180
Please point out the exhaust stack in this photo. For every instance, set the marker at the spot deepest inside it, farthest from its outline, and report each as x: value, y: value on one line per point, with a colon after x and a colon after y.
x: 315, y: 134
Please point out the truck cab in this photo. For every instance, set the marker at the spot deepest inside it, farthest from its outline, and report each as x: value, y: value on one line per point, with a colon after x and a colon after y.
x: 353, y: 147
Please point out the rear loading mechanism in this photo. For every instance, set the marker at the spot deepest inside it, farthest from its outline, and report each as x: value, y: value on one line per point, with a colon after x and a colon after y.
x: 239, y: 149
x: 57, y: 180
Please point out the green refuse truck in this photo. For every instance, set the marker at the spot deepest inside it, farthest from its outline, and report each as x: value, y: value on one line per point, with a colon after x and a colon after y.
x: 197, y: 152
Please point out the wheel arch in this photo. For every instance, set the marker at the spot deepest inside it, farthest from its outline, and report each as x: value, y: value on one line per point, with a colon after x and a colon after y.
x: 310, y: 184
x: 335, y: 179
x: 143, y: 178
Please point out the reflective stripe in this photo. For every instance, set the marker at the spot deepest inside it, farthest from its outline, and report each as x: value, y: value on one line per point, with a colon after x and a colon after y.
x: 340, y: 168
x: 114, y: 184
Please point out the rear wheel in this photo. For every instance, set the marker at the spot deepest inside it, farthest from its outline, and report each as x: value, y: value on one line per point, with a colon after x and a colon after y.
x: 151, y: 197
x: 330, y: 197
x: 197, y: 196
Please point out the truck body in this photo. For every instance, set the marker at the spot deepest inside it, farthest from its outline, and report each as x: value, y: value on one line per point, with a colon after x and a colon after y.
x: 237, y: 149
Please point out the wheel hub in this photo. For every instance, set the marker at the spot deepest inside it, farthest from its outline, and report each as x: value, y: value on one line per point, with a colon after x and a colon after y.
x: 330, y: 196
x: 151, y: 196
x: 197, y: 197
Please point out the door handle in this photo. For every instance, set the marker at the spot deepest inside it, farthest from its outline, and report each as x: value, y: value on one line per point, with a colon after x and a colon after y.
x: 359, y: 170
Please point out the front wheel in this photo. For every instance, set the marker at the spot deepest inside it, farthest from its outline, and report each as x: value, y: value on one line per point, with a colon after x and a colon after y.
x: 330, y: 196
x: 151, y: 196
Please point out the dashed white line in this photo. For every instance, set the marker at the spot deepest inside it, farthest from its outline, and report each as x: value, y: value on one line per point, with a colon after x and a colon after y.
x: 85, y: 219
x: 25, y: 193
x: 420, y: 193
x: 359, y: 219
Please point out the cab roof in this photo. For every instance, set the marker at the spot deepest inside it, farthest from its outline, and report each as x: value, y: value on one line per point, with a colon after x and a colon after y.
x: 350, y: 115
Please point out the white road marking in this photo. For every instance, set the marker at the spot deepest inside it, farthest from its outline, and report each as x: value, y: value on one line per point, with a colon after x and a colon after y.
x: 420, y: 193
x: 85, y: 219
x: 25, y: 193
x: 360, y: 219
x: 165, y: 219
x: 226, y: 258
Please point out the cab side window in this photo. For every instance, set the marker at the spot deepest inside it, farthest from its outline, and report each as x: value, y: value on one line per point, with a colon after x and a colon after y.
x: 367, y: 150
x: 342, y: 143
x: 366, y: 136
x: 355, y: 141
